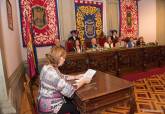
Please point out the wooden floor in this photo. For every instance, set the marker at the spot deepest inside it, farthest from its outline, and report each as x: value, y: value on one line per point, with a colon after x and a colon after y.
x: 25, y: 107
x: 149, y: 95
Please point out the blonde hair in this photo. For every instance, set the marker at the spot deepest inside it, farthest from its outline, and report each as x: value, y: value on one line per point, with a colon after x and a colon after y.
x: 55, y: 54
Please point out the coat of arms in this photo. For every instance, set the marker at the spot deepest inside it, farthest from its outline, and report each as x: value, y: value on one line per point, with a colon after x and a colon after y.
x: 39, y: 17
x: 90, y: 28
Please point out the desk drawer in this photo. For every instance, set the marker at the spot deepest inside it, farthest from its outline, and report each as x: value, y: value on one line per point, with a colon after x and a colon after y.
x: 108, y: 99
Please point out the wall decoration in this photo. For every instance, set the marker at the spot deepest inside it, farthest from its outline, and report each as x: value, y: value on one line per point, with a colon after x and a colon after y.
x: 128, y: 18
x: 9, y: 14
x: 89, y: 22
x: 44, y: 20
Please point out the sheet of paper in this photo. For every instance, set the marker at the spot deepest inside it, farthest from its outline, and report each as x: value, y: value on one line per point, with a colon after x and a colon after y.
x: 89, y: 73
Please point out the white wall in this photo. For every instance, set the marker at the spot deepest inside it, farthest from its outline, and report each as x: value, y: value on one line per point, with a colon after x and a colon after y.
x: 11, y: 39
x: 147, y: 19
x: 3, y: 93
x: 112, y: 15
x: 66, y: 15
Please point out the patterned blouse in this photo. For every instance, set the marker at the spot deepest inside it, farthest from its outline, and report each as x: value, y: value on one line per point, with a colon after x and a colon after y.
x: 53, y: 89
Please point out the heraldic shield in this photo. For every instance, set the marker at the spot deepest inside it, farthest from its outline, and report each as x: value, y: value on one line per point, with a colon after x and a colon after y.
x: 129, y: 19
x: 39, y: 17
x: 90, y: 31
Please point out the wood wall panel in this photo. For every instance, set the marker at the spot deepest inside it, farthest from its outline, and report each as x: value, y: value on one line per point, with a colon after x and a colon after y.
x: 116, y: 61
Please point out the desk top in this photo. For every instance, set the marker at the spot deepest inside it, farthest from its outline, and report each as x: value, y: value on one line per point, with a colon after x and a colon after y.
x: 102, y: 84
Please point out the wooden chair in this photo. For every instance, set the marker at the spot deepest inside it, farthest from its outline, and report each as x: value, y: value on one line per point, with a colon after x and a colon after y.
x: 30, y: 97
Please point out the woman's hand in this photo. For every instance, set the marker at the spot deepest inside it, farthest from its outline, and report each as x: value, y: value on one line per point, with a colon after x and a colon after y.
x: 81, y: 82
x: 79, y: 76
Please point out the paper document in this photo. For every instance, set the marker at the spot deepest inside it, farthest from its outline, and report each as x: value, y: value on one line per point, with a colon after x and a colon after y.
x: 89, y: 74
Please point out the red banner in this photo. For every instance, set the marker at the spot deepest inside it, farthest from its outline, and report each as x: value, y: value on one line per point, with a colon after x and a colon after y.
x: 129, y: 18
x: 43, y: 15
x: 31, y: 59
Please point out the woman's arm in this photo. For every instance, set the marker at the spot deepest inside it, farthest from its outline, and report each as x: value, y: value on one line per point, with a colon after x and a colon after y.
x: 56, y: 80
x: 65, y: 88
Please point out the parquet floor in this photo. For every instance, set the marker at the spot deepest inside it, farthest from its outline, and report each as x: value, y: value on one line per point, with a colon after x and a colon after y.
x: 149, y: 96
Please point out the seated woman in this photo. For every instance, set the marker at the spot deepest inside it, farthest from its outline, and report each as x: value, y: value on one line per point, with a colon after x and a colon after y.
x: 108, y: 43
x: 55, y: 86
x: 140, y: 41
x: 120, y: 43
x: 77, y: 46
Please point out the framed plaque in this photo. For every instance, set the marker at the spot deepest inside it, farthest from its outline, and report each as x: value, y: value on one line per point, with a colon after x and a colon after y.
x: 9, y: 14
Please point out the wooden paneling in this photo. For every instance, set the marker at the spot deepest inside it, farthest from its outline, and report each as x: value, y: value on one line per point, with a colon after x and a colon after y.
x: 162, y: 56
x: 75, y: 63
x: 130, y: 60
x: 151, y: 57
x: 116, y: 61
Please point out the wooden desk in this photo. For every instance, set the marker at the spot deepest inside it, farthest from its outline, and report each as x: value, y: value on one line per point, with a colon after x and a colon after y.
x: 105, y: 89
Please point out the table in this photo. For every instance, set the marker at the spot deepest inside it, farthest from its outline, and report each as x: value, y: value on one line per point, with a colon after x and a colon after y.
x: 104, y: 89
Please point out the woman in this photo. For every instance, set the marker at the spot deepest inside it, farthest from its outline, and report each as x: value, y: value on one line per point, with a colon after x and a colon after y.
x: 120, y: 43
x: 140, y: 41
x: 77, y: 46
x: 55, y: 86
x: 108, y: 43
x: 101, y: 39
